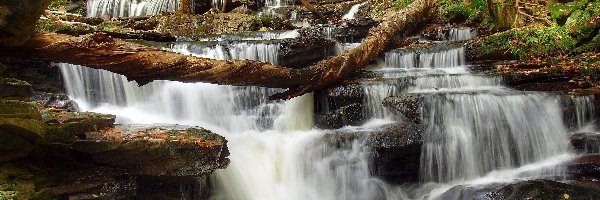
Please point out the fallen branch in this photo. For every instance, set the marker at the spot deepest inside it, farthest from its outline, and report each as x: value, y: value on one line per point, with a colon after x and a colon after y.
x: 145, y: 64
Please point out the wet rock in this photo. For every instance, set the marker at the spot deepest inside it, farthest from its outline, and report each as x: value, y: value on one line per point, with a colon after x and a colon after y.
x: 63, y: 125
x: 15, y: 89
x: 585, y: 142
x: 18, y: 20
x: 156, y: 151
x: 396, y: 150
x: 343, y: 116
x: 42, y: 76
x: 19, y: 109
x: 302, y: 52
x: 585, y: 168
x: 61, y: 101
x: 17, y: 137
x: 339, y: 106
x: 544, y: 189
x: 408, y: 105
x: 398, y: 153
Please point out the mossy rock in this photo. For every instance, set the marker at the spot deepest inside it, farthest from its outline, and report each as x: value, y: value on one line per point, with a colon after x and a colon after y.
x: 15, y: 89
x: 17, y: 137
x: 582, y: 24
x: 64, y: 126
x: 2, y: 69
x: 561, y: 11
x: 19, y: 109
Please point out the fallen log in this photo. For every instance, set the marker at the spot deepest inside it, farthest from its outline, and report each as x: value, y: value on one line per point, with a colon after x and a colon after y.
x: 145, y: 64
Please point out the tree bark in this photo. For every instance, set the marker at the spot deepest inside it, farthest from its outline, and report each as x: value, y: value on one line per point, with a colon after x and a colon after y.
x: 145, y: 64
x: 313, y: 10
x: 185, y: 7
x: 328, y: 72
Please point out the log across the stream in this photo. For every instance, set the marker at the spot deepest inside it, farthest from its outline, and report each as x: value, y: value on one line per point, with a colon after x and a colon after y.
x: 145, y: 64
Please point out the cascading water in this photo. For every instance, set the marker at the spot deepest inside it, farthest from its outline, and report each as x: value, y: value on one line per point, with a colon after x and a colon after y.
x: 129, y: 8
x: 266, y: 52
x: 458, y: 34
x: 585, y: 114
x: 476, y: 130
x: 473, y: 126
x: 353, y: 10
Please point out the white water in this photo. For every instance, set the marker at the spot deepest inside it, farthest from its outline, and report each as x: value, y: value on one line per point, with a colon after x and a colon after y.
x: 478, y: 131
x: 266, y: 52
x: 353, y: 10
x: 474, y: 125
x: 585, y: 114
x: 429, y: 58
x: 129, y: 8
x: 459, y: 34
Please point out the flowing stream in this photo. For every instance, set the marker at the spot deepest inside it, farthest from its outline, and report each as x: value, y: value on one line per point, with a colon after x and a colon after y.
x: 477, y: 131
x: 129, y: 8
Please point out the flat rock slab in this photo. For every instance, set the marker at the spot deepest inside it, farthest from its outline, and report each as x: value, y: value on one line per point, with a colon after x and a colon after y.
x: 156, y: 151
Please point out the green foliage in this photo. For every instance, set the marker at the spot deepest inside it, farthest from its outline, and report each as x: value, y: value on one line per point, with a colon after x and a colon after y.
x: 582, y: 23
x: 469, y: 11
x: 591, y: 73
x: 400, y: 4
x: 56, y: 4
x: 522, y: 43
x: 559, y: 11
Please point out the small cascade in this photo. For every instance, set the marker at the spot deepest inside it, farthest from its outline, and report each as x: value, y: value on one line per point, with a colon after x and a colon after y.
x: 470, y: 135
x: 251, y: 36
x: 459, y: 34
x: 231, y: 108
x: 585, y: 114
x: 279, y: 3
x: 473, y: 126
x: 266, y: 52
x: 353, y: 10
x: 129, y: 8
x: 217, y: 4
x: 432, y: 57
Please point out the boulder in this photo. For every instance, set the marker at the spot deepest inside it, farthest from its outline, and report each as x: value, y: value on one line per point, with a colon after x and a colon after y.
x: 156, y: 151
x: 585, y: 143
x: 544, y: 189
x: 396, y: 150
x: 19, y: 109
x: 17, y: 137
x: 15, y: 89
x: 304, y: 51
x: 344, y: 116
x: 408, y: 105
x: 61, y: 102
x: 65, y: 126
x: 18, y: 20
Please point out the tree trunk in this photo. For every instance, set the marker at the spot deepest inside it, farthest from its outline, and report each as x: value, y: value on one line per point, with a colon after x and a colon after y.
x: 313, y: 10
x: 328, y: 72
x: 185, y: 7
x: 145, y: 64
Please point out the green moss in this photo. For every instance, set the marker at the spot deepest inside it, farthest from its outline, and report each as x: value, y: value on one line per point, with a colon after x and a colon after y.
x: 19, y: 109
x: 560, y: 11
x: 464, y: 11
x: 400, y: 4
x: 532, y: 41
x: 583, y: 24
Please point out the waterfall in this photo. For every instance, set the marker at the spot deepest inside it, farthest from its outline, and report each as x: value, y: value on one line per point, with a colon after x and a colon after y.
x: 473, y: 125
x: 469, y: 135
x: 435, y: 57
x: 129, y: 8
x: 266, y: 52
x: 353, y: 10
x: 585, y: 114
x: 278, y: 3
x: 459, y: 34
